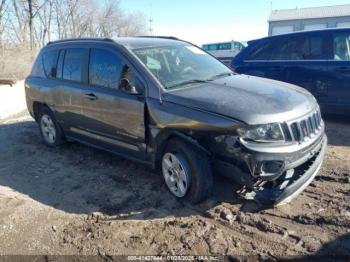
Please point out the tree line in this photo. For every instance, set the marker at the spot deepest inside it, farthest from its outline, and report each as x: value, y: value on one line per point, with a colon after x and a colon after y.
x: 38, y: 21
x: 27, y: 25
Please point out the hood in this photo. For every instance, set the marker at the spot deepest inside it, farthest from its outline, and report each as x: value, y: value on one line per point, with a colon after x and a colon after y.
x: 253, y: 100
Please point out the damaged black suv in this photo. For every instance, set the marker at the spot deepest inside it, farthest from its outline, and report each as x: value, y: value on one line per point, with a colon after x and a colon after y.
x: 167, y: 103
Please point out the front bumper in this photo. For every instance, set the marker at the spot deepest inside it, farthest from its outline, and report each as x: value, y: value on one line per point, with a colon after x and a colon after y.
x: 296, y: 176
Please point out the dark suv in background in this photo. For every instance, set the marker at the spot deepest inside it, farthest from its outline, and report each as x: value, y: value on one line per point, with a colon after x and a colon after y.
x: 168, y: 104
x: 316, y: 60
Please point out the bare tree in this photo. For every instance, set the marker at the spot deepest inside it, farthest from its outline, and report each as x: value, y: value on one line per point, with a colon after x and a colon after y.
x: 2, y: 12
x: 26, y: 25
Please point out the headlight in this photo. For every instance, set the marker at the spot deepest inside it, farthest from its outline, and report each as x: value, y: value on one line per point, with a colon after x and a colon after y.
x: 262, y: 133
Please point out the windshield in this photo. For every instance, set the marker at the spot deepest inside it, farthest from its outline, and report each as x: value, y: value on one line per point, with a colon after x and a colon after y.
x: 179, y: 65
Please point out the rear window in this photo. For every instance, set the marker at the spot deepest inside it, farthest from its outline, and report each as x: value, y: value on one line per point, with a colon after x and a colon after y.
x: 73, y: 64
x: 49, y: 62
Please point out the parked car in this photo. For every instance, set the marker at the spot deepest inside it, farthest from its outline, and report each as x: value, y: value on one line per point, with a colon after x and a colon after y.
x: 316, y: 60
x: 224, y: 51
x: 168, y: 104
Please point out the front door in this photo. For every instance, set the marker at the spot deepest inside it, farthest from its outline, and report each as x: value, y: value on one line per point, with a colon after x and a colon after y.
x: 113, y: 116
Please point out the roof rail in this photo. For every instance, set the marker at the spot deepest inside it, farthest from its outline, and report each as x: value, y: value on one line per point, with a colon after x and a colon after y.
x: 156, y: 36
x: 80, y: 39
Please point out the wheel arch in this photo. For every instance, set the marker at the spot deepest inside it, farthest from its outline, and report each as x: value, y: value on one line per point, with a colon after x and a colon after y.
x: 36, y: 109
x: 162, y: 139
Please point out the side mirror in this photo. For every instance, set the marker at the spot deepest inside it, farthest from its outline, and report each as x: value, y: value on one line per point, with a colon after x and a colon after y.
x: 127, y: 87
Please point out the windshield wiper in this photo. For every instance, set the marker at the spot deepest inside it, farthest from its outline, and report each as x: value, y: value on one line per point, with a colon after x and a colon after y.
x: 187, y: 83
x: 219, y: 76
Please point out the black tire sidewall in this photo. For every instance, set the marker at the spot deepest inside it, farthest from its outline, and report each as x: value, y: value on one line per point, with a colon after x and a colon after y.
x: 200, y: 177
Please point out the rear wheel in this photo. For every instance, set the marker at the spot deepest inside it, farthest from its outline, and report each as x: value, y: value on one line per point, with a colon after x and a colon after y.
x: 186, y: 171
x: 50, y: 131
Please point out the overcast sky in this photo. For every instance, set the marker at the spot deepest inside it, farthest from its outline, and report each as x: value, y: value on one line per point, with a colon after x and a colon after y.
x: 205, y: 21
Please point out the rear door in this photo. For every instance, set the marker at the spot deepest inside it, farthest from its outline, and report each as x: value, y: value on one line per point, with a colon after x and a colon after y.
x: 66, y: 80
x: 113, y: 116
x: 339, y: 67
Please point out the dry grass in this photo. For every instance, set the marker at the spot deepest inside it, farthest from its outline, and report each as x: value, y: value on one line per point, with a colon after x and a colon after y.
x: 15, y: 61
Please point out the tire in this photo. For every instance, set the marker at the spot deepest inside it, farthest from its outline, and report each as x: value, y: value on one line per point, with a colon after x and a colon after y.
x: 194, y: 171
x: 51, y: 132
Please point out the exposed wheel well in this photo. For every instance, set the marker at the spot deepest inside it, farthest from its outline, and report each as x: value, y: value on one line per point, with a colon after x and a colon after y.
x: 36, y: 109
x: 163, y: 140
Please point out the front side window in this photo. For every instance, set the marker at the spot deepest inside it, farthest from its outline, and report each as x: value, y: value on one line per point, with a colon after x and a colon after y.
x: 176, y: 65
x: 341, y: 46
x: 73, y: 64
x: 263, y: 51
x: 49, y: 62
x: 105, y: 68
x: 291, y: 48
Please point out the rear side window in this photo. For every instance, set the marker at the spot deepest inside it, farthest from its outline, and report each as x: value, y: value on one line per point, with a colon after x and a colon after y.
x: 73, y: 64
x: 341, y: 46
x: 49, y: 62
x: 38, y: 68
x: 105, y: 68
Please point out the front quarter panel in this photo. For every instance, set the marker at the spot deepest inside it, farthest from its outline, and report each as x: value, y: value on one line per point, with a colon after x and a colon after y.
x: 199, y: 128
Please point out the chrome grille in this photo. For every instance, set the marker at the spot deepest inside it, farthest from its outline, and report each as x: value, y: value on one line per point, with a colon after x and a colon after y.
x: 306, y: 127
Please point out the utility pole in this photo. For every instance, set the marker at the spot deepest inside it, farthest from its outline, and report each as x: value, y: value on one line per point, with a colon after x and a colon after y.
x: 150, y: 21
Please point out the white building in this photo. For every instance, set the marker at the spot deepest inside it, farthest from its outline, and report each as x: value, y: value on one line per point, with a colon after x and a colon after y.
x: 312, y: 18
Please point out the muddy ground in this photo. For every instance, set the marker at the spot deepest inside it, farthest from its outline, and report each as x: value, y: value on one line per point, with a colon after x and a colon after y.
x: 78, y: 200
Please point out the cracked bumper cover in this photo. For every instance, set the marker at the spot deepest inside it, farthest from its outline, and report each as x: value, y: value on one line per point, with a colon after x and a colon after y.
x: 297, y: 172
x: 295, y: 188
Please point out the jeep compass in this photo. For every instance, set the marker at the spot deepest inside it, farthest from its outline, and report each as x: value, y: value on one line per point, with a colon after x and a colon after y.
x: 169, y: 104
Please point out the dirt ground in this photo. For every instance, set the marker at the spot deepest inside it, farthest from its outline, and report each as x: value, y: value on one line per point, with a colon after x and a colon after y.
x: 81, y: 201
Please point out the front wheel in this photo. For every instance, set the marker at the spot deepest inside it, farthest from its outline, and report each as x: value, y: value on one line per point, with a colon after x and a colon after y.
x: 186, y: 171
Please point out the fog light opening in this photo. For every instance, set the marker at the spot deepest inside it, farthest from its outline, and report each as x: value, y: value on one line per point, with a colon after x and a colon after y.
x: 271, y: 170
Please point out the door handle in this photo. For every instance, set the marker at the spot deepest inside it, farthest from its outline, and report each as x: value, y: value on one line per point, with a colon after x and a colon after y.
x: 91, y: 96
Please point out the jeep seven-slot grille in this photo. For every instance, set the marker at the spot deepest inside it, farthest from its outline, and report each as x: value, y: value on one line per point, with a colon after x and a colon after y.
x: 307, y: 127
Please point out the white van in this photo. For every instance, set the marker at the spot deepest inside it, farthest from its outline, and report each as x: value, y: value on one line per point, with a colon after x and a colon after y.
x: 224, y: 51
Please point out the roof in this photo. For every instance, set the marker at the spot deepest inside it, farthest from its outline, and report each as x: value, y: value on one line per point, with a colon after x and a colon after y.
x: 310, y: 13
x: 129, y: 42
x: 300, y: 33
x: 141, y: 42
